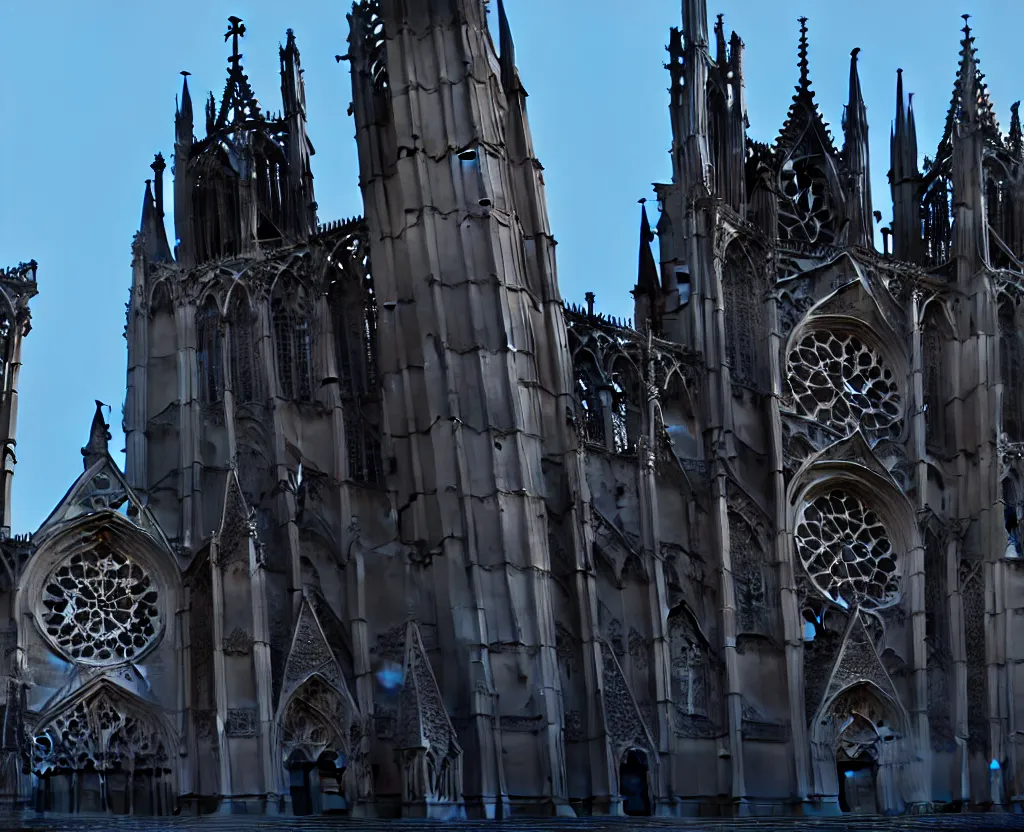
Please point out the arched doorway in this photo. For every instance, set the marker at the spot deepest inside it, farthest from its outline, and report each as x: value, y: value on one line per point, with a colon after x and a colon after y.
x: 858, y: 753
x: 857, y: 766
x: 634, y: 783
x: 314, y: 733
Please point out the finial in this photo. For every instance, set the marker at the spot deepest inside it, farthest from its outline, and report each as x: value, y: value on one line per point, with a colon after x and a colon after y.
x: 642, y: 200
x: 236, y: 30
x: 158, y: 163
x: 855, y: 52
x: 185, y: 73
x: 805, y: 77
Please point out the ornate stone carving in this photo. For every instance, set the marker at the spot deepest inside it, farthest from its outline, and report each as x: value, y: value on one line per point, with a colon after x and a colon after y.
x: 430, y: 756
x: 639, y: 650
x: 574, y: 726
x: 100, y: 607
x: 626, y: 726
x: 753, y: 572
x: 310, y: 652
x: 972, y: 591
x: 241, y: 722
x: 238, y: 643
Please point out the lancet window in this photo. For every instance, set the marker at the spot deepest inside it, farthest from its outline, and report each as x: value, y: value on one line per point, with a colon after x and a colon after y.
x: 841, y: 381
x: 215, y: 205
x: 1012, y: 361
x: 744, y: 318
x: 208, y: 352
x: 588, y: 391
x: 934, y: 383
x: 937, y: 216
x: 293, y: 343
x: 244, y: 355
x: 846, y: 552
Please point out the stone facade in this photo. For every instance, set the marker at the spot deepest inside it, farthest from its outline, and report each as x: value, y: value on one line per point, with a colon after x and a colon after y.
x: 401, y: 534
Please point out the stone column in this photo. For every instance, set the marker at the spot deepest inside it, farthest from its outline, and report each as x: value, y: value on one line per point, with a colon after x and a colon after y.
x: 189, y: 415
x: 220, y: 676
x: 268, y: 740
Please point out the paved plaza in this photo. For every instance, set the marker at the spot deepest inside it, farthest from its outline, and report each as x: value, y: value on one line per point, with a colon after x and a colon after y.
x: 264, y: 823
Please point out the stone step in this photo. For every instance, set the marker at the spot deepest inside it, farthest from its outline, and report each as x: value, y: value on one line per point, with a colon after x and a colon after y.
x: 264, y: 823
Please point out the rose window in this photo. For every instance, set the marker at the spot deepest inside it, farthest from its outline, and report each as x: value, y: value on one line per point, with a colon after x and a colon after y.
x: 100, y: 607
x: 838, y: 380
x: 846, y: 551
x: 805, y: 214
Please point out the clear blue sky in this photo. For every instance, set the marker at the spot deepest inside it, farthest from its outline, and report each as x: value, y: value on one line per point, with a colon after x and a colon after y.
x: 87, y: 97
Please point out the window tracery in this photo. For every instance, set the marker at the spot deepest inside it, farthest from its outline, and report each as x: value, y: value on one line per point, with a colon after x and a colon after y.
x: 846, y: 552
x: 244, y: 358
x: 102, y: 734
x: 806, y: 213
x: 208, y: 352
x: 293, y: 343
x: 100, y: 607
x: 839, y: 380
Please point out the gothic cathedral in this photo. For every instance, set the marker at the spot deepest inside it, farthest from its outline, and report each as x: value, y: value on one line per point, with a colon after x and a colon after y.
x: 400, y: 534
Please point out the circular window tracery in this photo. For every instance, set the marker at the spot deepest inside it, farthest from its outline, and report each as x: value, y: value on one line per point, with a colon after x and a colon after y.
x: 845, y: 549
x: 839, y: 380
x: 100, y: 607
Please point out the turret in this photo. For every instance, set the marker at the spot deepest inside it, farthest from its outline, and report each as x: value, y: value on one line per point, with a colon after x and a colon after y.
x: 647, y: 295
x: 689, y: 62
x: 299, y: 149
x: 154, y: 236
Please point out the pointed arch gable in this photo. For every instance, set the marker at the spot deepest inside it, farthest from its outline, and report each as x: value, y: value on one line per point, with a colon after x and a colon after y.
x: 100, y: 724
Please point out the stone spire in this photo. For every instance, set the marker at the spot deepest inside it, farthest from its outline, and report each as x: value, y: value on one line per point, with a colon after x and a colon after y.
x: 904, y: 177
x: 856, y: 161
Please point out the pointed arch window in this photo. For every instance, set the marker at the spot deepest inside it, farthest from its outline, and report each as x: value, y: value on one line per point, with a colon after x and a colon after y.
x: 1012, y: 361
x: 244, y: 358
x: 293, y: 344
x: 744, y: 318
x: 208, y: 352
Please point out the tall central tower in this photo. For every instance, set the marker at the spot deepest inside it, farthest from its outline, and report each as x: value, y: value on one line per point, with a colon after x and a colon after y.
x: 468, y: 307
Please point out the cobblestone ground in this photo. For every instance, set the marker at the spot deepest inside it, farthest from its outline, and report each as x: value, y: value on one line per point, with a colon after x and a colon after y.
x: 263, y: 823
